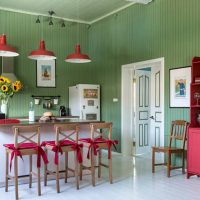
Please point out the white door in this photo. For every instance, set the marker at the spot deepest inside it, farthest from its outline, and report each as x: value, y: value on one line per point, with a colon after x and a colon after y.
x: 142, y: 109
x: 128, y: 117
x: 156, y: 107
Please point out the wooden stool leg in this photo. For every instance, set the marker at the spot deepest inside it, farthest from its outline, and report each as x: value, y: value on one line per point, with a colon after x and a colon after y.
x: 7, y: 170
x: 110, y: 167
x: 57, y: 177
x: 183, y: 163
x: 16, y: 177
x: 168, y: 163
x: 76, y: 170
x: 92, y: 168
x: 81, y: 166
x: 39, y: 182
x: 66, y: 166
x: 45, y: 170
x: 99, y: 163
x: 153, y: 161
x: 30, y: 171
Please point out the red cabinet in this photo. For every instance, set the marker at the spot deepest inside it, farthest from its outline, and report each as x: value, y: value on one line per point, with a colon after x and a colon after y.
x: 193, y: 144
x: 193, y: 152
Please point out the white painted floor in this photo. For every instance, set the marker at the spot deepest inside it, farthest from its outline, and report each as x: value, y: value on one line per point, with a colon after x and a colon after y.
x: 133, y: 180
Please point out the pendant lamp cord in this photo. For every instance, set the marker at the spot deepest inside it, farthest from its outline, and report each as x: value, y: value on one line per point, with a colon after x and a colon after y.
x: 42, y: 30
x: 77, y: 7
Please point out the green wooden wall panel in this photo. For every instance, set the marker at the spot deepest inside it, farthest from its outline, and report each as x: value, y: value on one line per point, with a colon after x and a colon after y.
x: 23, y: 33
x: 168, y: 29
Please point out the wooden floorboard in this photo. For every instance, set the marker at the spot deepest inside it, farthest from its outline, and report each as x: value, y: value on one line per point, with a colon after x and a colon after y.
x: 132, y: 180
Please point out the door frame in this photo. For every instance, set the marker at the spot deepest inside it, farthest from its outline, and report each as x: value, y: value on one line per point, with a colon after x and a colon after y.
x: 127, y: 102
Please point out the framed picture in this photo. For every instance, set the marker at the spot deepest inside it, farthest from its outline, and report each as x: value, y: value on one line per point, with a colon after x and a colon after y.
x: 180, y: 79
x: 46, y: 73
x: 90, y: 93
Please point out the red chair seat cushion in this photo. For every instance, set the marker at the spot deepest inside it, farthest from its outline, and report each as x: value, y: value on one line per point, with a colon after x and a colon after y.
x: 23, y: 146
x: 27, y: 145
x: 62, y: 143
x: 58, y: 148
x: 97, y: 140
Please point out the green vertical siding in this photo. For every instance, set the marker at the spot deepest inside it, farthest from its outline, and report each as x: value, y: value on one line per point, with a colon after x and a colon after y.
x: 168, y: 29
x: 163, y: 28
x: 23, y: 33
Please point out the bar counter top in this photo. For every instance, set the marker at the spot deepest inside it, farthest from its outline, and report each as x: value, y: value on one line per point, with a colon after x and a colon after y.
x: 57, y: 120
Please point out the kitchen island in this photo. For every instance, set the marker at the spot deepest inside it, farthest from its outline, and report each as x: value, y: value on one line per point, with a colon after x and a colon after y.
x: 47, y: 133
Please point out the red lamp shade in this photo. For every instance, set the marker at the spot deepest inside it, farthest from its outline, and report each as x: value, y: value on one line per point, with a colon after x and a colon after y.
x: 42, y: 53
x: 6, y: 50
x: 77, y: 57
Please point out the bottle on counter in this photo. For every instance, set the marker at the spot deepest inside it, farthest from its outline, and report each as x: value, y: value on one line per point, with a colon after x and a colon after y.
x: 31, y: 112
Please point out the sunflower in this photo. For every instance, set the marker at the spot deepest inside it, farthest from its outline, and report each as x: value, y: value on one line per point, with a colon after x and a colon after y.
x: 4, y: 88
x: 2, y: 79
x: 16, y: 87
x: 7, y: 80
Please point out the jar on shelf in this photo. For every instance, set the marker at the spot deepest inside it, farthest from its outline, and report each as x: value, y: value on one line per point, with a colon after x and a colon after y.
x: 198, y: 119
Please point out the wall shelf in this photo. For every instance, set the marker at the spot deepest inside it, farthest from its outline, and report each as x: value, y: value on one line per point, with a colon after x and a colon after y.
x: 45, y: 96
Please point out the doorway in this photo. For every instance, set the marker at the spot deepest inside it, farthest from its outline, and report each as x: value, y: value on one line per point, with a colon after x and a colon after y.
x: 142, y: 107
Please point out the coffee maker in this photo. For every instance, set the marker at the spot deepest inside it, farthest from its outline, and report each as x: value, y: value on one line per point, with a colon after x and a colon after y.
x: 62, y: 111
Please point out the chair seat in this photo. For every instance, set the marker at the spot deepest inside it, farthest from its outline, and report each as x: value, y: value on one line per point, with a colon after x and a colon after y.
x: 164, y: 149
x: 27, y: 145
x: 97, y: 140
x: 62, y: 143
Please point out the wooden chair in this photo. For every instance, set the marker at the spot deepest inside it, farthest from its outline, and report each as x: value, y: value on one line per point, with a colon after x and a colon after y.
x: 177, y: 133
x: 100, y: 138
x: 26, y: 142
x: 66, y: 141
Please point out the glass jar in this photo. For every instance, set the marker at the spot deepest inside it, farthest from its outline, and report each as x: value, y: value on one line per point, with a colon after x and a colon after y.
x: 198, y: 119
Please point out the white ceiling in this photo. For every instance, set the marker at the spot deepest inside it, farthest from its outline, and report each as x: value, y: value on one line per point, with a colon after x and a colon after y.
x: 86, y: 11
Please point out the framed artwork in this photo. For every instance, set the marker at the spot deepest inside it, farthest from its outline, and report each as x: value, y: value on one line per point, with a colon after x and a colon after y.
x: 90, y: 93
x: 46, y: 73
x: 180, y: 79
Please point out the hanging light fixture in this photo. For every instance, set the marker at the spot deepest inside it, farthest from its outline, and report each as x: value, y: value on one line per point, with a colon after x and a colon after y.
x: 6, y: 50
x: 77, y: 57
x: 42, y: 53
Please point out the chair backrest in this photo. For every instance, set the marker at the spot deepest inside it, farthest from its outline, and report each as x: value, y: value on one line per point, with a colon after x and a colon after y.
x: 178, y: 131
x: 101, y: 130
x: 66, y: 131
x: 24, y: 134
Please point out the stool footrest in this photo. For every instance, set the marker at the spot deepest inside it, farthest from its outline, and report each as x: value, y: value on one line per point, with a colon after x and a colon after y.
x: 104, y: 165
x: 86, y: 167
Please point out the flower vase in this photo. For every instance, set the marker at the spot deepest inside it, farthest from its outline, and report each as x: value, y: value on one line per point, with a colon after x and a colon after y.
x: 4, y: 108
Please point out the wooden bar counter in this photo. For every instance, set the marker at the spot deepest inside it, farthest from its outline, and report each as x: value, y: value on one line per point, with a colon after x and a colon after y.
x: 47, y: 133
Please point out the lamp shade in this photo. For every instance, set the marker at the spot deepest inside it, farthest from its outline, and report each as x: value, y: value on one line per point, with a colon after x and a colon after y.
x: 77, y: 57
x: 42, y: 53
x: 6, y: 50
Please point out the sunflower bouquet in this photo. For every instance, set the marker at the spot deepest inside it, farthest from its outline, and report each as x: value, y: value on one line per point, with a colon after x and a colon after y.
x: 8, y: 88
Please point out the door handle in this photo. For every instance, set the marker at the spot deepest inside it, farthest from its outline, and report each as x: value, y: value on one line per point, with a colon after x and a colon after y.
x: 152, y: 117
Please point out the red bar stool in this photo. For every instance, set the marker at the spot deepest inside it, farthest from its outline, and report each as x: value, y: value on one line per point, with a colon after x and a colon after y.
x: 26, y: 142
x: 68, y: 143
x: 100, y: 138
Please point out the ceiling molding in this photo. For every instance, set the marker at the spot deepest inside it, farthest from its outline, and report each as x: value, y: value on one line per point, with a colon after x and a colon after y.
x: 113, y: 12
x: 68, y: 19
x: 40, y: 14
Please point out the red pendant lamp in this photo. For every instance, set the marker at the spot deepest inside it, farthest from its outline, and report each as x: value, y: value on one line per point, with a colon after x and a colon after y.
x: 6, y: 50
x: 42, y: 53
x: 78, y: 57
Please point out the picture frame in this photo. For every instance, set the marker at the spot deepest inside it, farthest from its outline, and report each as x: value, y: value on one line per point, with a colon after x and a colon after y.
x: 46, y: 73
x: 179, y: 90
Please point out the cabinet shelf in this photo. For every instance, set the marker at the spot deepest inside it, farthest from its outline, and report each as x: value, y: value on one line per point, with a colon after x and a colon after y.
x: 195, y: 84
x: 195, y: 106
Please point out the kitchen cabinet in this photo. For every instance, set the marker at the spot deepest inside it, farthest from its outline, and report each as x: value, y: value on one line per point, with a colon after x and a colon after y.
x: 193, y: 144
